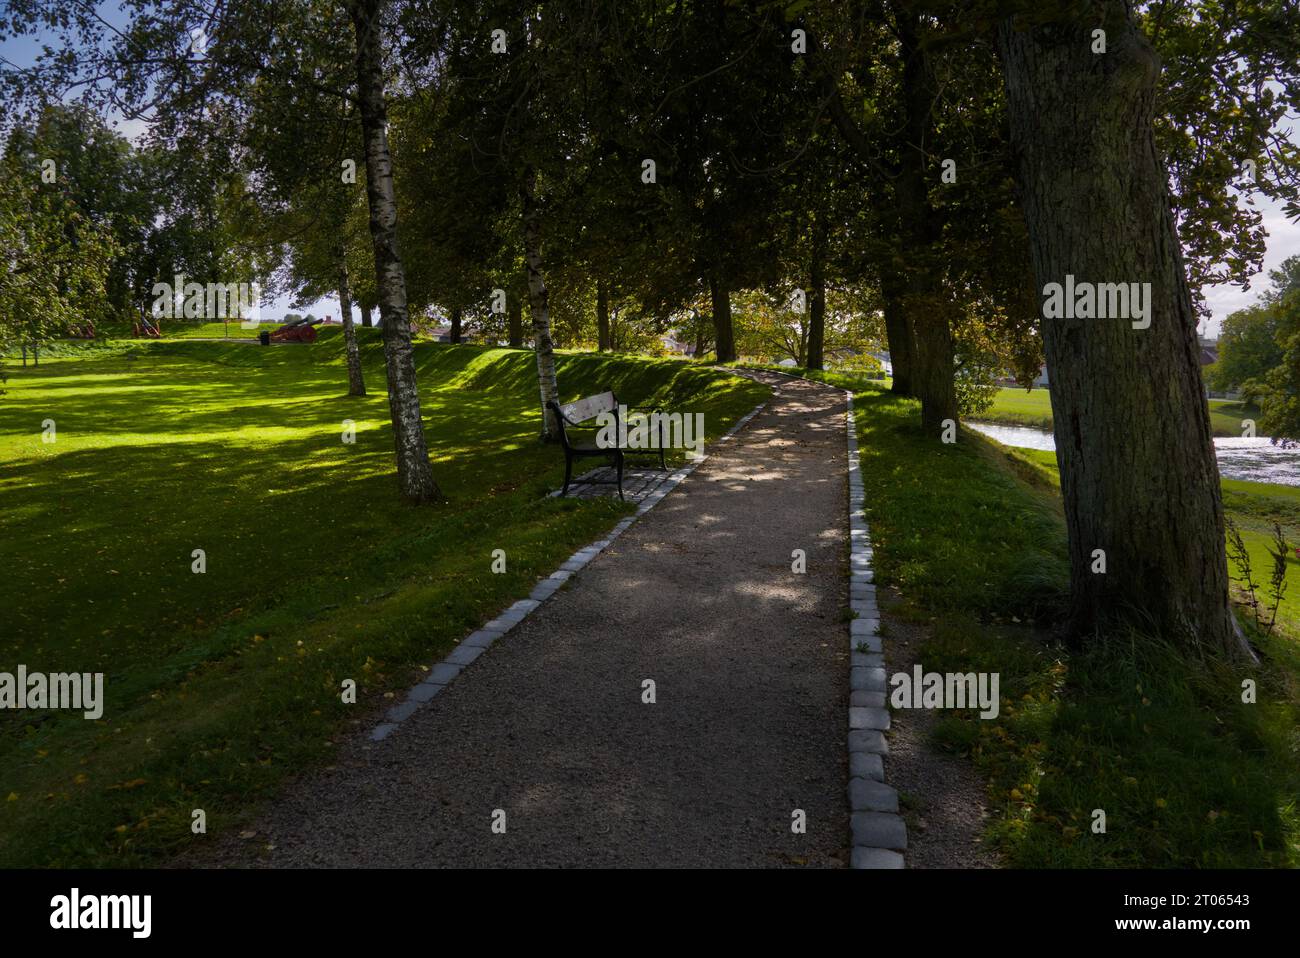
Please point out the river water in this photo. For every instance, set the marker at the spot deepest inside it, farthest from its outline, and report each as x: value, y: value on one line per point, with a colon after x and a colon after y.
x: 1254, y: 460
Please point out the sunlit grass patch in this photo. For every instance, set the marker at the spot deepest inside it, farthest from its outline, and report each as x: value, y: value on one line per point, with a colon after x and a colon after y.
x: 218, y: 685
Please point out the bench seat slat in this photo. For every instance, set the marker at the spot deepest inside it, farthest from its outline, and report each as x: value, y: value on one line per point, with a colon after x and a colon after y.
x: 588, y: 408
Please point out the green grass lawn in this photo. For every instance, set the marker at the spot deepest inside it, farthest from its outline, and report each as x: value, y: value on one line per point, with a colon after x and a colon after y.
x: 219, y: 685
x: 198, y: 329
x: 1187, y: 775
x: 190, y: 329
x: 1254, y: 507
x: 1018, y: 407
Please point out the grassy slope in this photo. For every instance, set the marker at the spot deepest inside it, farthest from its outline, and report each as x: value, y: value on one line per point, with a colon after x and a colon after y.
x: 1018, y: 407
x: 219, y: 684
x: 1187, y: 775
x: 1254, y: 507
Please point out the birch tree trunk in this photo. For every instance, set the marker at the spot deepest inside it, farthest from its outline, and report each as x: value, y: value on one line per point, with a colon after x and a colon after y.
x: 356, y: 384
x: 414, y: 472
x: 1133, y: 439
x: 548, y: 388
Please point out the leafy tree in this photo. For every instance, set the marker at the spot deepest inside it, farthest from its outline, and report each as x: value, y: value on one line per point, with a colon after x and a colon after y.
x: 1248, y: 347
x: 194, y: 71
x: 414, y: 472
x: 1229, y: 83
x: 54, y: 259
x: 1278, y: 390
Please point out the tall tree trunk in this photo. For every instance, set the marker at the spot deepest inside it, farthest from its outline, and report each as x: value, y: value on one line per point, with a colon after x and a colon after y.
x: 817, y: 297
x: 454, y: 335
x: 898, y: 331
x: 356, y: 384
x: 537, y: 299
x: 603, y: 343
x: 414, y: 472
x: 1133, y: 440
x: 723, y: 337
x: 515, y: 320
x: 368, y: 316
x: 932, y: 379
x: 933, y: 368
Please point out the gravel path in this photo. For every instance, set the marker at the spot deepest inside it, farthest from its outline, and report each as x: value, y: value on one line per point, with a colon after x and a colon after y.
x: 751, y: 673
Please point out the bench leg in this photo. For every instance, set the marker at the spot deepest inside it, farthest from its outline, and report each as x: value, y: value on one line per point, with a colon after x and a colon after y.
x: 568, y: 474
x: 619, y: 463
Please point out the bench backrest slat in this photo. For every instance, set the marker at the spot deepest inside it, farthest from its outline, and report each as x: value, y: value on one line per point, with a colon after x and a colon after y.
x: 590, y: 407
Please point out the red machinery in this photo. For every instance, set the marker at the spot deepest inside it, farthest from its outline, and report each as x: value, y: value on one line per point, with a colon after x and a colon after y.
x: 145, y: 329
x: 296, y: 331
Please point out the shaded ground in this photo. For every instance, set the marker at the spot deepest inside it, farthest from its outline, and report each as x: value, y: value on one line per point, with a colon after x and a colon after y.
x: 942, y: 795
x: 750, y: 667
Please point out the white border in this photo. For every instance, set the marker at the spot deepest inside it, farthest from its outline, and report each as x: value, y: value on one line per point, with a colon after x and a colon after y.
x: 879, y: 833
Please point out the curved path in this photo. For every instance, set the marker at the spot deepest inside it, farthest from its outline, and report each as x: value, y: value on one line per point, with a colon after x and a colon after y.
x: 750, y: 666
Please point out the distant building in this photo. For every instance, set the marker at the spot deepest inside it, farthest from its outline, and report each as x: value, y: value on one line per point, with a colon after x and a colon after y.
x: 674, y: 345
x: 1209, y: 350
x: 1209, y: 355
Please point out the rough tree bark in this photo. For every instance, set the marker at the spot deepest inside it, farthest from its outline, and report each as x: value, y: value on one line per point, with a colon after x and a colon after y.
x: 602, y: 316
x: 356, y: 384
x: 537, y: 298
x: 1133, y: 439
x: 898, y: 331
x: 455, y: 335
x: 723, y: 337
x: 817, y: 297
x: 414, y: 472
x: 932, y: 370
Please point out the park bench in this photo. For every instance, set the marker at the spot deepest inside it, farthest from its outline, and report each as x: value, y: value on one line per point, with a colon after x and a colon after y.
x: 573, y: 415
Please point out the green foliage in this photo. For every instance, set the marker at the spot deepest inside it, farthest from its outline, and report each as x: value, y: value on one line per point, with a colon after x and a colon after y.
x: 1248, y: 348
x: 1277, y: 390
x: 1210, y: 52
x: 54, y: 258
x: 859, y: 364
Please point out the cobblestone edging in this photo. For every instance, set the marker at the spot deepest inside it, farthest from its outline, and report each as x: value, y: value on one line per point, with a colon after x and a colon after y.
x: 879, y: 834
x: 476, y: 643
